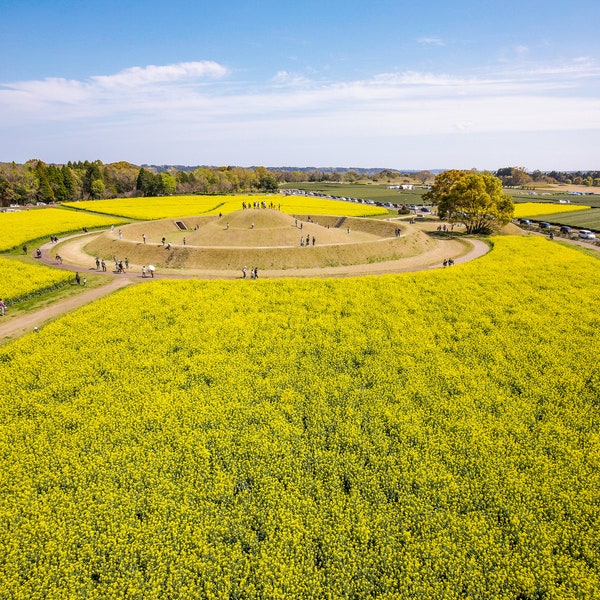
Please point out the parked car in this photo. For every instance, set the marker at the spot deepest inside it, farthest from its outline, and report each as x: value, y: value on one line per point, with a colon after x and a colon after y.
x: 425, y: 209
x: 544, y: 225
x: 524, y: 222
x: 586, y: 234
x: 566, y: 229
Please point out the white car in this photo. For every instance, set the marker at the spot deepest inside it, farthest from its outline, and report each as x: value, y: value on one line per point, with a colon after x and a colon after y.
x: 586, y: 234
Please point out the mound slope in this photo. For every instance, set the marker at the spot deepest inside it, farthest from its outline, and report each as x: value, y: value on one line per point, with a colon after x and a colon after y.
x: 264, y: 238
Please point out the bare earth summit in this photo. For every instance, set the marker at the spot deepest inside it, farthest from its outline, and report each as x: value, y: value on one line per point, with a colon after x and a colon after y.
x: 76, y: 260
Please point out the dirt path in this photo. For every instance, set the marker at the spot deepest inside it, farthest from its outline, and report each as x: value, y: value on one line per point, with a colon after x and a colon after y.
x: 460, y: 249
x: 76, y: 260
x: 11, y: 328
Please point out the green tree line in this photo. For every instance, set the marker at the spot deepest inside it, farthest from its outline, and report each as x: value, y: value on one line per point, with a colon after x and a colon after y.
x: 36, y: 181
x: 519, y: 177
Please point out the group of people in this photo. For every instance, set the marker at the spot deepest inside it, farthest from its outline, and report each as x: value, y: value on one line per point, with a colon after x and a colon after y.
x: 255, y: 204
x: 448, y: 262
x: 148, y: 270
x: 79, y: 281
x: 119, y: 267
x: 306, y: 242
x: 253, y: 273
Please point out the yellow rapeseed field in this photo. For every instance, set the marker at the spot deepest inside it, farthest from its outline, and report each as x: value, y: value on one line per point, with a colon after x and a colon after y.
x: 19, y: 281
x: 17, y: 228
x: 533, y: 209
x: 182, y: 206
x: 426, y: 435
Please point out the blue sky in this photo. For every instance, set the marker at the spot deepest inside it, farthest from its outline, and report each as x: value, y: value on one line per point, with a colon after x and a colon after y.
x: 399, y: 84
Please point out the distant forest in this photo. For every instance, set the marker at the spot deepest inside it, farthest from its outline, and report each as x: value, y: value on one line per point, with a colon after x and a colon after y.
x: 37, y: 181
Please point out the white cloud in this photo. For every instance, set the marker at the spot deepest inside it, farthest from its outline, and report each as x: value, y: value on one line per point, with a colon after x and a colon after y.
x: 107, y: 90
x: 286, y: 79
x: 194, y: 101
x: 152, y: 74
x: 431, y: 41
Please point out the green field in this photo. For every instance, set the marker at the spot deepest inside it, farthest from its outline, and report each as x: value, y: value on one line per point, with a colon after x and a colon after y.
x: 375, y: 192
x: 592, y: 200
x: 585, y: 219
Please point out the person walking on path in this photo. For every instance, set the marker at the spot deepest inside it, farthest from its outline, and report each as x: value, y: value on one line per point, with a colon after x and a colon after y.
x: 77, y: 278
x: 144, y: 271
x: 3, y: 307
x: 84, y: 281
x: 103, y: 265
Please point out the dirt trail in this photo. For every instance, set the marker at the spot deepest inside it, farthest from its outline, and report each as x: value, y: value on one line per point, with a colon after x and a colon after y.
x: 460, y: 249
x: 11, y: 328
x: 76, y: 260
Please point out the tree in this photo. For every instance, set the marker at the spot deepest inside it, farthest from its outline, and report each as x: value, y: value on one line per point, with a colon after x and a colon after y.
x: 266, y: 181
x: 442, y: 185
x: 69, y: 183
x: 5, y: 191
x: 92, y: 173
x: 145, y: 182
x: 423, y: 176
x: 97, y: 189
x: 474, y: 199
x: 167, y: 183
x: 514, y: 176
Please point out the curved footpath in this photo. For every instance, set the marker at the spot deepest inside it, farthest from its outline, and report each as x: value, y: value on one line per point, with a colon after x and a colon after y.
x: 462, y: 250
x: 76, y: 259
x: 11, y: 328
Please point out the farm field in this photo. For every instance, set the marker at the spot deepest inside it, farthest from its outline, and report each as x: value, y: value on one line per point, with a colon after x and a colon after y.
x: 182, y: 206
x: 535, y: 209
x: 377, y: 193
x: 579, y: 216
x: 592, y: 200
x: 20, y: 227
x: 425, y: 435
x: 589, y: 219
x: 20, y: 280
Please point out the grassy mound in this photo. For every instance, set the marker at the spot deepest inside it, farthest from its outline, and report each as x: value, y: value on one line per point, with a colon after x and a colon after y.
x: 267, y: 239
